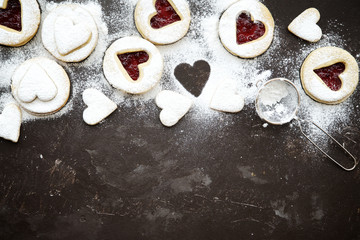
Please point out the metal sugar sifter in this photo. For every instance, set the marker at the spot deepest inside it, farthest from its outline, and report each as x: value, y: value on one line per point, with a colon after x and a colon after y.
x: 278, y: 102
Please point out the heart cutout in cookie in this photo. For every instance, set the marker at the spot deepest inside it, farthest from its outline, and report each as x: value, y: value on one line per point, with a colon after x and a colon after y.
x: 174, y: 106
x: 227, y: 98
x: 131, y: 61
x: 10, y: 122
x: 247, y: 30
x: 166, y: 14
x: 99, y: 106
x: 36, y: 83
x: 304, y: 26
x: 10, y: 14
x: 330, y: 75
x: 193, y: 78
x: 70, y: 36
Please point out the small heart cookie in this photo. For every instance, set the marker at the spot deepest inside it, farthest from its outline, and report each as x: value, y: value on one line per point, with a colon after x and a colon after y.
x: 19, y: 21
x: 227, y: 99
x: 70, y: 37
x: 162, y: 21
x: 304, y: 26
x: 174, y: 106
x: 133, y: 65
x: 10, y: 122
x: 36, y: 84
x: 99, y: 106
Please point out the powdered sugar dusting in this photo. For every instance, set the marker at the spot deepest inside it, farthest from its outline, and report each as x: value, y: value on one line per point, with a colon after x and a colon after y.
x: 201, y: 42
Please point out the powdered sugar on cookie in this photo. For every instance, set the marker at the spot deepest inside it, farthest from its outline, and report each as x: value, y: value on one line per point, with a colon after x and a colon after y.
x: 70, y: 33
x: 165, y: 35
x: 99, y: 106
x: 227, y: 98
x: 174, y: 106
x: 10, y: 122
x: 33, y: 79
x: 30, y: 20
x: 304, y: 26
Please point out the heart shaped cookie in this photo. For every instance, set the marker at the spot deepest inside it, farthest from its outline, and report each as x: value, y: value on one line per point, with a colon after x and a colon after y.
x: 330, y: 75
x: 40, y: 86
x: 133, y: 65
x: 174, y: 106
x: 193, y: 78
x: 169, y: 20
x: 70, y: 33
x: 246, y: 28
x: 304, y: 26
x: 227, y: 98
x: 69, y: 37
x: 10, y: 122
x: 19, y: 21
x: 99, y: 106
x: 36, y: 84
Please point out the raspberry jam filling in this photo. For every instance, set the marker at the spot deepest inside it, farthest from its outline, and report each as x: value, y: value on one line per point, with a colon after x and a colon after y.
x: 248, y: 30
x: 166, y: 15
x: 330, y: 75
x: 11, y: 16
x: 130, y: 62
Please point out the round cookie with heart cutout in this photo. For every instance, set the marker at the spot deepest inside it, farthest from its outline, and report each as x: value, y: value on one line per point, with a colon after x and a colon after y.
x: 246, y: 28
x: 162, y: 21
x: 133, y: 65
x: 70, y: 33
x: 19, y: 21
x: 40, y: 86
x: 329, y: 75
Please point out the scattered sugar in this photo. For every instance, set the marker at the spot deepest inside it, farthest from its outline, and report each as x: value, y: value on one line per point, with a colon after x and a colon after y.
x: 201, y: 42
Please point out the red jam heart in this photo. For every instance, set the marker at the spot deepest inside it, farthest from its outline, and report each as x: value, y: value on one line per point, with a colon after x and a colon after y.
x: 130, y: 62
x: 248, y: 30
x: 330, y: 75
x: 11, y: 16
x: 166, y: 15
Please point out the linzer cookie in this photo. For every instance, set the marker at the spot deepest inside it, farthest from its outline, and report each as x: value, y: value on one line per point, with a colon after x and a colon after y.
x: 40, y: 86
x: 246, y: 28
x: 70, y: 33
x: 329, y: 75
x: 133, y: 65
x: 19, y: 21
x: 162, y: 21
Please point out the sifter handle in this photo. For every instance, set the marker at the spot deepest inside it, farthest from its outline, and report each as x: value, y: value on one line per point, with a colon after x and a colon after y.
x: 352, y: 156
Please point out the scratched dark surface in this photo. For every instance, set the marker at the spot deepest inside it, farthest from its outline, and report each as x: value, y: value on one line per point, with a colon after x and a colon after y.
x: 132, y: 178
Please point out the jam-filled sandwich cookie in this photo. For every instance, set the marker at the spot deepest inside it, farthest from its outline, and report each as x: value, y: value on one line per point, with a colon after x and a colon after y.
x: 329, y: 75
x: 162, y: 21
x: 70, y: 33
x: 40, y: 86
x: 19, y: 21
x: 133, y: 65
x: 246, y: 28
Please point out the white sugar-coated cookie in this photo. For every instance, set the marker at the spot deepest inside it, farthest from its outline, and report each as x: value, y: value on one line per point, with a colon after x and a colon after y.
x: 304, y: 26
x: 315, y: 87
x: 227, y: 28
x: 174, y: 106
x: 30, y: 20
x: 69, y: 33
x: 99, y: 106
x: 10, y: 122
x: 150, y: 71
x: 171, y: 33
x: 226, y: 98
x: 41, y: 86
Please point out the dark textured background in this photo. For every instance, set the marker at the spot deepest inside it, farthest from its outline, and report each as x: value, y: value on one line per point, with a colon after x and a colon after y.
x: 132, y: 178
